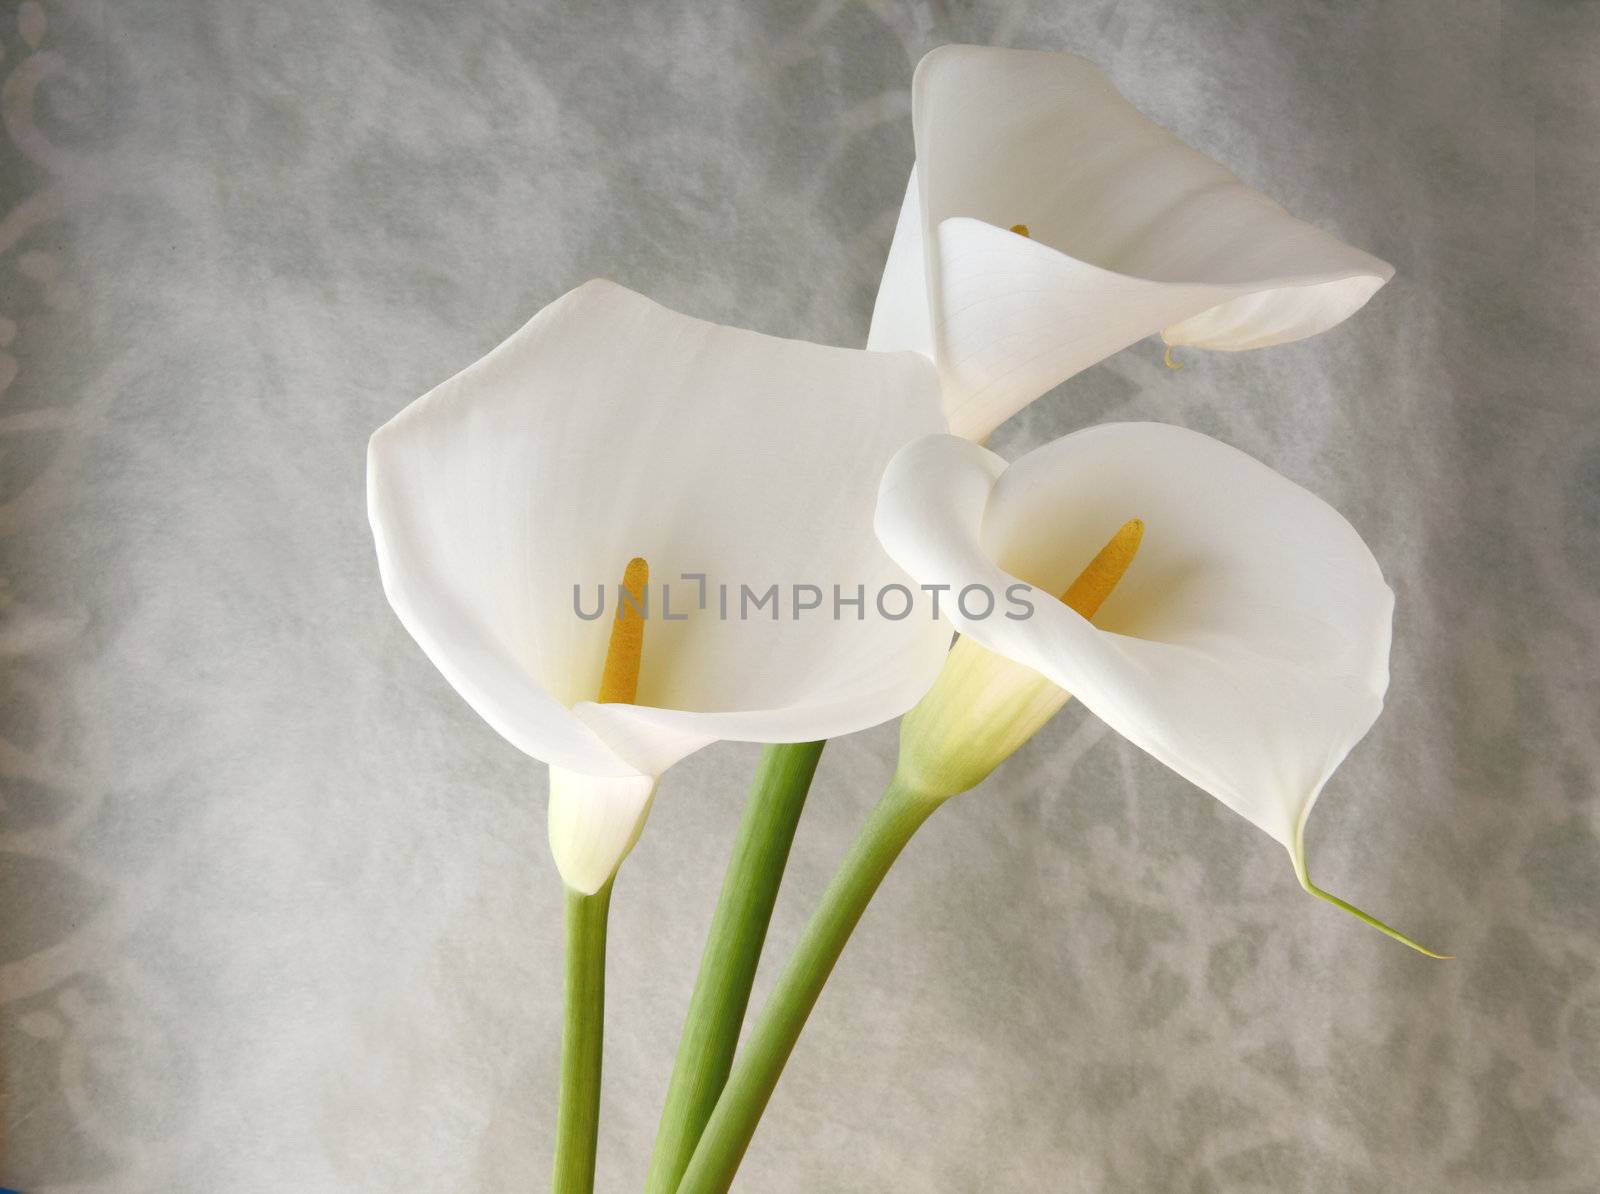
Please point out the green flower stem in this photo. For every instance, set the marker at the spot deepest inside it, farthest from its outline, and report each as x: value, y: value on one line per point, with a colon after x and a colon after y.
x: 898, y: 814
x: 578, y: 1113
x: 733, y: 948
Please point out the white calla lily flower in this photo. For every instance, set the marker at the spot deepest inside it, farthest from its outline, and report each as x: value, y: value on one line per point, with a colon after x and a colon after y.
x: 610, y: 428
x: 1126, y: 231
x: 1244, y: 641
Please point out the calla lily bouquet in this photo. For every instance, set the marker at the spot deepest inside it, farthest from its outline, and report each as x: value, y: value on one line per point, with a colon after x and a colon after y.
x: 626, y: 533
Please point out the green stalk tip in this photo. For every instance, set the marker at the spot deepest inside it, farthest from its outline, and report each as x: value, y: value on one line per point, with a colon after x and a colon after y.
x: 1304, y: 875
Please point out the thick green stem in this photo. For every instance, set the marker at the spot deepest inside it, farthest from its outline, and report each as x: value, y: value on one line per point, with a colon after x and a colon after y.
x: 578, y: 1113
x: 733, y: 949
x: 897, y: 815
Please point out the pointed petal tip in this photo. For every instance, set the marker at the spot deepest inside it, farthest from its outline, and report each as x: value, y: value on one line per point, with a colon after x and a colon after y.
x: 1366, y: 918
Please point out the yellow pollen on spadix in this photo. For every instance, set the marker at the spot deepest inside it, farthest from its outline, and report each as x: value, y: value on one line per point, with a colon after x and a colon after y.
x: 1020, y: 229
x: 1088, y: 593
x: 984, y: 706
x: 619, y: 682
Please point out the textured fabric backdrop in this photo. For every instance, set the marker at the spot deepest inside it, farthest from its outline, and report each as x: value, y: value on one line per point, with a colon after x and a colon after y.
x: 276, y: 909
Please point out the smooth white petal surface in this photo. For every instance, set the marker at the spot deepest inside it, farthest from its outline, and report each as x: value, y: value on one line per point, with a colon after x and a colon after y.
x: 902, y: 320
x: 1247, y: 646
x: 594, y: 821
x: 1131, y: 232
x: 610, y: 427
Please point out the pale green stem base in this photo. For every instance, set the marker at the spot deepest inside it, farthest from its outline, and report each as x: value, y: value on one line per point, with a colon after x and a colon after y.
x: 578, y: 1112
x: 733, y: 949
x: 898, y: 814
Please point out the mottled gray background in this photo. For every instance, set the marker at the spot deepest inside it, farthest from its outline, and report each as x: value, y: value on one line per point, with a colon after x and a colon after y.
x: 276, y: 911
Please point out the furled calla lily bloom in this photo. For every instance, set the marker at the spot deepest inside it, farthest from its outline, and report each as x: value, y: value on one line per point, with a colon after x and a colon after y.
x: 1126, y: 231
x: 610, y: 428
x: 1241, y: 634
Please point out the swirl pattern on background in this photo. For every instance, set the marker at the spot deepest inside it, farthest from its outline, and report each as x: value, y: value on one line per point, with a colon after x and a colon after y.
x: 275, y: 908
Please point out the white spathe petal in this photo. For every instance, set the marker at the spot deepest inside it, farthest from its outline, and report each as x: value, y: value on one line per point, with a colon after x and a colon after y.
x: 594, y: 822
x: 610, y: 427
x: 418, y: 559
x: 1022, y: 317
x: 1246, y: 647
x: 901, y: 317
x: 1131, y: 232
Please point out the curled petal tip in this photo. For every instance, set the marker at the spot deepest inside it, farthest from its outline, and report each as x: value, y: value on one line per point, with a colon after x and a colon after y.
x: 1305, y: 881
